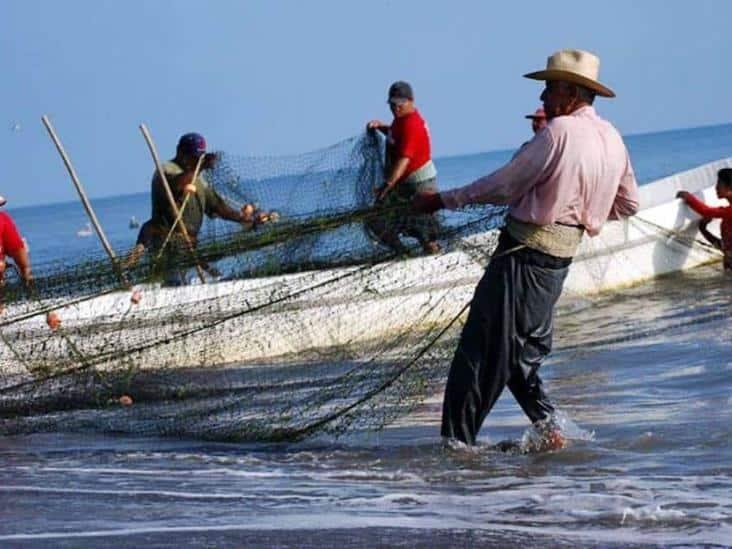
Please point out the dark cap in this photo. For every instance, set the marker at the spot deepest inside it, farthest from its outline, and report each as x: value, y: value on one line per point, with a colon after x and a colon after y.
x: 401, y: 90
x: 192, y: 144
x: 538, y: 114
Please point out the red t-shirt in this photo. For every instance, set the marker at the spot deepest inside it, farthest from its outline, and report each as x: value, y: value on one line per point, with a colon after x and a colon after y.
x: 409, y: 137
x: 723, y: 212
x: 10, y: 241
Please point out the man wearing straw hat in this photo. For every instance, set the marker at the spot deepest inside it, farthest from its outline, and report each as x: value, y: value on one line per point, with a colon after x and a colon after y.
x: 568, y: 180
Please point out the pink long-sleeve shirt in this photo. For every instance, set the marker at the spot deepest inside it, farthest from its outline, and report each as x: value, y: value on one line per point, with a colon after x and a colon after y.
x: 576, y: 171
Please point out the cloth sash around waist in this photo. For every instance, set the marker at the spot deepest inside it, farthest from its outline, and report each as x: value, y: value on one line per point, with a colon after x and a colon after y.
x: 556, y: 239
x: 424, y: 173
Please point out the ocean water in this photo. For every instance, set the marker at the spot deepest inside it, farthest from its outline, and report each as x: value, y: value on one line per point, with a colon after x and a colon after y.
x: 51, y: 230
x: 643, y: 376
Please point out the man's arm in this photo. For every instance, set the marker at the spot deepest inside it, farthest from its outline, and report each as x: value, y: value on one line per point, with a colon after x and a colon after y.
x: 22, y: 260
x: 703, y: 209
x: 509, y: 183
x: 627, y: 200
x: 217, y: 206
x: 503, y: 186
x: 15, y: 248
x: 397, y: 172
x: 713, y: 240
x: 378, y: 125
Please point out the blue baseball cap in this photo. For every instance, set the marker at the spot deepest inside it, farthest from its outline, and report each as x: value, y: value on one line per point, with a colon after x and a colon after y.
x: 192, y: 144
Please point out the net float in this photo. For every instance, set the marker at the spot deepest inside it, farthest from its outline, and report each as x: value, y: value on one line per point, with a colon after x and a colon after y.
x: 53, y: 320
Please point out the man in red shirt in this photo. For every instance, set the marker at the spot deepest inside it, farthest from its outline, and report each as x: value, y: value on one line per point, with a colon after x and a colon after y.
x: 12, y: 244
x: 409, y: 170
x: 724, y: 192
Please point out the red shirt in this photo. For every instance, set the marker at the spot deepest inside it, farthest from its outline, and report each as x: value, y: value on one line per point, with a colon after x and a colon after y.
x: 409, y: 137
x: 724, y: 212
x: 10, y: 241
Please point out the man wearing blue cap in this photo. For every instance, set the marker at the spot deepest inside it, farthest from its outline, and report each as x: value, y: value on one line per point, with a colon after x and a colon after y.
x: 409, y: 170
x: 204, y: 200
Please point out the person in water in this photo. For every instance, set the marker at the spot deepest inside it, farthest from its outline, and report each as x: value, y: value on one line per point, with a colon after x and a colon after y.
x: 409, y: 170
x: 202, y: 201
x: 574, y: 175
x: 724, y: 192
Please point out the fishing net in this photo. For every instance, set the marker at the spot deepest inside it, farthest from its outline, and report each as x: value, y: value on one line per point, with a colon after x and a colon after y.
x: 311, y: 325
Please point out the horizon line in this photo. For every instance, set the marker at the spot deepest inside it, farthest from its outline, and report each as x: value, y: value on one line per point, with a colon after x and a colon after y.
x: 444, y: 157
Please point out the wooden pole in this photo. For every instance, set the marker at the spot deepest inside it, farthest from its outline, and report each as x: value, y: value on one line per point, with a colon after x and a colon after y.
x: 171, y: 199
x: 84, y: 199
x: 181, y: 210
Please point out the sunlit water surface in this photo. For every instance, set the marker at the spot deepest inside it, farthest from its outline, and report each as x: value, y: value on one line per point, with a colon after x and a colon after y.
x: 644, y: 376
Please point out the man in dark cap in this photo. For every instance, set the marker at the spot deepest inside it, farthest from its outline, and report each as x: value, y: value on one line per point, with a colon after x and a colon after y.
x: 538, y: 123
x: 203, y: 200
x: 409, y: 170
x: 538, y: 119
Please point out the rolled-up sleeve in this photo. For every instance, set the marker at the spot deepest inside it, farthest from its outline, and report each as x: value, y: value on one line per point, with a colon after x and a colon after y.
x: 704, y: 210
x: 509, y: 183
x: 627, y: 199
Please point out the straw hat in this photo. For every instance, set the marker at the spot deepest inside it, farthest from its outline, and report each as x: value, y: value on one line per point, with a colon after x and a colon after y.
x: 574, y: 66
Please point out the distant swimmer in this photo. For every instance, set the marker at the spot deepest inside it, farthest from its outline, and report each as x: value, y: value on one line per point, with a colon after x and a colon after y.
x: 724, y: 192
x: 13, y: 245
x: 409, y: 170
x: 134, y: 223
x: 203, y: 201
x: 567, y: 181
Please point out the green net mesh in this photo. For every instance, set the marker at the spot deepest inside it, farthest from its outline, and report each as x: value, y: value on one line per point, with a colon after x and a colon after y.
x: 313, y: 325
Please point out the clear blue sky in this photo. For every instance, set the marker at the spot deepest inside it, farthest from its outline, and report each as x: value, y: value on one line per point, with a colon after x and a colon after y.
x: 274, y: 77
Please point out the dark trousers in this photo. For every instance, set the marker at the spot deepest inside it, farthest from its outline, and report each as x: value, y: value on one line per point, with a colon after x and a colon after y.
x: 507, y: 335
x: 395, y: 216
x: 176, y: 259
